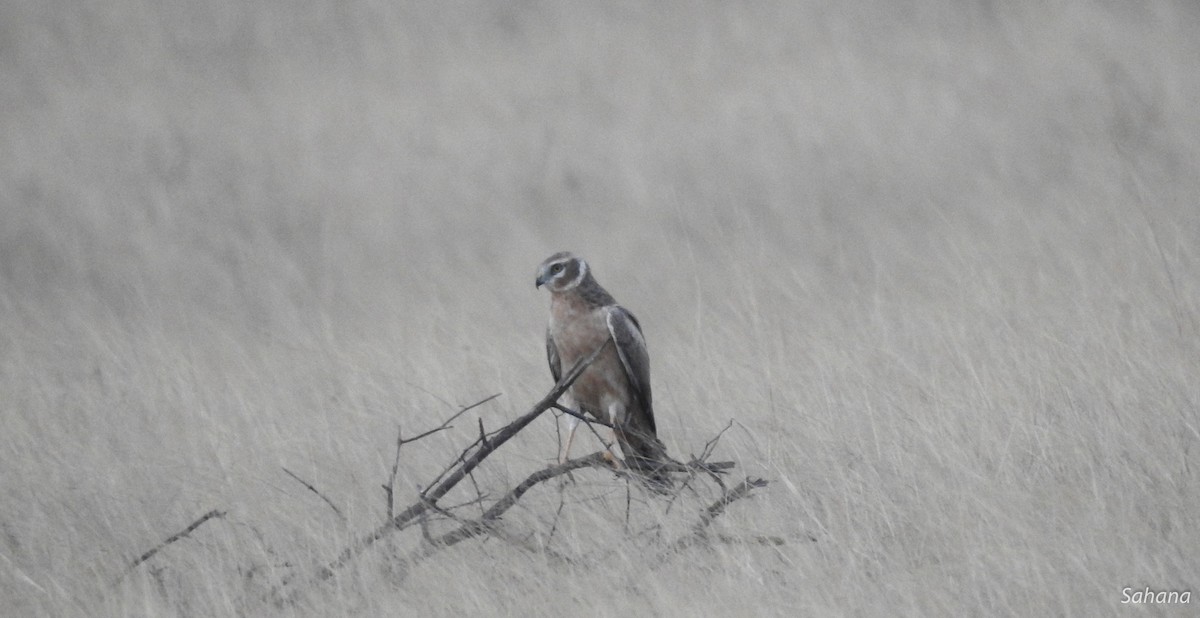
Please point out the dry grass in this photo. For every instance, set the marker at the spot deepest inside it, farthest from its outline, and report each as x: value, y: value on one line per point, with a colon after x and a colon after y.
x: 939, y: 262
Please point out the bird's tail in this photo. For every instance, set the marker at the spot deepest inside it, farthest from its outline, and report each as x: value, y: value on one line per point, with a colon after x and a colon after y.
x: 645, y: 454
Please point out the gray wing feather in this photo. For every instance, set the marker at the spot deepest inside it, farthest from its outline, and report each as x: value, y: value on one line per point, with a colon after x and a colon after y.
x: 552, y: 357
x: 631, y: 348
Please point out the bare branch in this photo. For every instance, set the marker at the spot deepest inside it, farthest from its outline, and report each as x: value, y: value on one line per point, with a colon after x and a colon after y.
x: 583, y: 417
x: 314, y: 490
x: 504, y: 504
x: 472, y: 528
x: 717, y: 508
x: 390, y: 488
x: 754, y: 539
x: 607, y: 445
x: 446, y: 424
x: 441, y: 427
x: 714, y: 511
x: 459, y: 460
x: 468, y: 464
x: 478, y: 492
x: 557, y: 513
x: 477, y: 500
x: 482, y: 434
x: 712, y: 444
x: 175, y: 537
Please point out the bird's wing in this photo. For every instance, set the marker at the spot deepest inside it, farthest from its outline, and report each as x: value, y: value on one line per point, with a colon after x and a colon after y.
x: 631, y: 348
x: 552, y: 357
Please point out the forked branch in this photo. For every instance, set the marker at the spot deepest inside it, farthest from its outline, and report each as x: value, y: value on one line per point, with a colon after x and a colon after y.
x: 467, y: 464
x: 484, y: 524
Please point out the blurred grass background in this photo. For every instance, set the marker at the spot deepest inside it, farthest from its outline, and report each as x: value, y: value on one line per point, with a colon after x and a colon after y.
x: 938, y: 259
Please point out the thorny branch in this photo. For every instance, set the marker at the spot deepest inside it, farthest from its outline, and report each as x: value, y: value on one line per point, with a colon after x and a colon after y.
x: 474, y: 528
x: 469, y: 463
x: 389, y: 489
x: 488, y: 522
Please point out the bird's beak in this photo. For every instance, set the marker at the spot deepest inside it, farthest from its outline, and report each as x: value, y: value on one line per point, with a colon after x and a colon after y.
x: 541, y: 280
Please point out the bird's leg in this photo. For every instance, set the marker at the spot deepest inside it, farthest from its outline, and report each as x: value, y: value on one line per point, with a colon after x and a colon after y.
x: 611, y: 450
x: 565, y: 451
x: 616, y: 414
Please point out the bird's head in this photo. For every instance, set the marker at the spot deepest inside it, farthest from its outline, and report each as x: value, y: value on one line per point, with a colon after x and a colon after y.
x: 561, y: 272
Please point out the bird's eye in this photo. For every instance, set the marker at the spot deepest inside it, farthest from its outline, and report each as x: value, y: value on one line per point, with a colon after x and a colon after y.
x: 557, y: 268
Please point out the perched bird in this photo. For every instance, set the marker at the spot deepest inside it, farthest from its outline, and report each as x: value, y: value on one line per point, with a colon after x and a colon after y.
x: 615, y: 388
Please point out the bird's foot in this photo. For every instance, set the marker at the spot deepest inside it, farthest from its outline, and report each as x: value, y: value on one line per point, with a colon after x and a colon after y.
x: 612, y: 460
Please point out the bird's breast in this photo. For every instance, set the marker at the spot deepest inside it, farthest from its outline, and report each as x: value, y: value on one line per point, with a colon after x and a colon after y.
x: 577, y: 332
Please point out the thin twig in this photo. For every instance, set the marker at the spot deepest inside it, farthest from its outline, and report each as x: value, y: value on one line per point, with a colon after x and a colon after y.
x: 754, y: 539
x: 461, y: 456
x: 424, y: 520
x: 435, y: 493
x: 478, y: 527
x: 557, y: 513
x: 458, y: 461
x: 712, y: 444
x: 504, y: 504
x: 315, y: 491
x: 175, y: 537
x: 717, y: 508
x: 714, y: 511
x: 478, y: 492
x: 607, y: 445
x: 390, y: 488
x: 477, y: 500
x: 583, y: 417
x: 446, y: 424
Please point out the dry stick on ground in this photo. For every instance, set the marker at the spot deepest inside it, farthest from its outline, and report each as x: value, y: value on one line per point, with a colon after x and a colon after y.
x: 175, y: 537
x: 315, y: 491
x: 466, y: 467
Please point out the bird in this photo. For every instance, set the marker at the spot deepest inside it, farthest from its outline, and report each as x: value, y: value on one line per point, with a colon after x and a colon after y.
x: 615, y: 388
